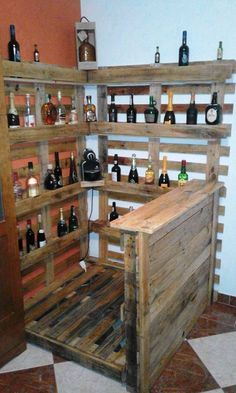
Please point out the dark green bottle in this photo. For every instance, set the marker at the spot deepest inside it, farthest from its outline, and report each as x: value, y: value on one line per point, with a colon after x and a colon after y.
x: 151, y: 113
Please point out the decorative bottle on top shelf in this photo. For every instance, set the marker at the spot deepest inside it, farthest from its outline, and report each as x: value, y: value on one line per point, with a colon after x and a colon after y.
x: 213, y: 112
x: 30, y: 237
x: 50, y: 182
x: 149, y: 174
x: 58, y: 171
x: 41, y: 238
x: 164, y: 180
x: 12, y: 116
x: 17, y: 189
x: 151, y: 112
x: 61, y: 225
x: 131, y: 113
x: 29, y: 119
x: 182, y: 176
x: 36, y: 54
x: 192, y: 112
x: 157, y: 56
x: 73, y: 117
x: 13, y: 46
x: 220, y: 51
x: 73, y: 177
x: 20, y: 241
x: 115, y: 170
x: 169, y: 115
x: 133, y: 173
x: 89, y: 110
x: 48, y: 111
x: 112, y: 112
x: 73, y: 220
x: 87, y: 51
x: 113, y: 215
x: 61, y: 111
x: 184, y: 51
x: 32, y: 182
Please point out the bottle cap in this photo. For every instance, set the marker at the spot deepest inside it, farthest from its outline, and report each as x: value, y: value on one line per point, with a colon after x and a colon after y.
x: 50, y: 166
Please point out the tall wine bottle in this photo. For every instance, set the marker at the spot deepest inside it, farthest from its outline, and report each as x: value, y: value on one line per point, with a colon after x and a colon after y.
x: 32, y: 182
x: 12, y: 115
x: 115, y: 170
x: 41, y: 238
x: 50, y: 182
x: 73, y: 177
x: 164, y: 180
x: 133, y: 173
x: 192, y: 112
x: 73, y: 220
x: 29, y: 118
x: 61, y: 110
x: 131, y: 113
x: 30, y: 237
x: 13, y: 46
x: 213, y: 112
x: 20, y: 241
x: 169, y: 115
x: 61, y: 225
x: 184, y: 51
x: 113, y: 215
x: 58, y: 171
x: 112, y: 112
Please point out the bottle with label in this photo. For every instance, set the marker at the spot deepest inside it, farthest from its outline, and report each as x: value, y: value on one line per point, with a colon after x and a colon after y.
x: 50, y: 182
x: 61, y: 111
x: 151, y: 113
x: 41, y: 238
x: 73, y: 177
x: 115, y: 170
x: 73, y: 220
x: 112, y: 112
x: 164, y: 180
x: 48, y: 111
x: 12, y: 115
x: 89, y: 110
x: 184, y: 51
x: 73, y: 117
x: 131, y: 113
x: 169, y: 115
x: 213, y: 112
x: 192, y: 112
x: 17, y: 189
x: 61, y: 225
x: 149, y: 174
x: 133, y: 173
x: 182, y: 176
x: 29, y: 119
x: 113, y: 215
x: 87, y: 51
x: 30, y: 237
x: 13, y: 46
x: 32, y: 182
x: 36, y: 54
x: 20, y: 241
x: 58, y: 171
x: 220, y: 51
x: 157, y: 56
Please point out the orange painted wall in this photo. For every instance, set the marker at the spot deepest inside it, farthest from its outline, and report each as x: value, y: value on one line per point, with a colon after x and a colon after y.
x: 50, y: 24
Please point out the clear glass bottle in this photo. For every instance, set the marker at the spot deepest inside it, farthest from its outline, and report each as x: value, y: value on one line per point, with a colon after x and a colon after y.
x: 58, y: 171
x: 73, y: 177
x: 29, y: 118
x: 12, y: 115
x: 133, y: 173
x: 157, y: 56
x: 30, y: 237
x: 192, y: 112
x: 89, y: 110
x: 61, y: 110
x: 73, y: 117
x: 213, y: 112
x: 17, y: 188
x: 36, y: 54
x: 151, y: 112
x: 13, y: 46
x: 50, y: 182
x: 48, y: 111
x: 131, y: 113
x: 113, y: 215
x: 73, y: 220
x: 61, y: 225
x: 169, y: 115
x: 112, y: 112
x: 164, y: 180
x: 182, y: 176
x: 115, y: 170
x: 41, y: 238
x: 32, y: 182
x: 220, y: 51
x: 149, y: 174
x: 184, y: 51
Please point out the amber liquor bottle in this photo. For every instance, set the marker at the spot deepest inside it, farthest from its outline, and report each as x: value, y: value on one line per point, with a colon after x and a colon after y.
x: 169, y: 115
x: 89, y: 110
x: 133, y: 173
x: 164, y: 180
x: 115, y: 170
x: 48, y: 111
x: 149, y: 174
x: 213, y: 112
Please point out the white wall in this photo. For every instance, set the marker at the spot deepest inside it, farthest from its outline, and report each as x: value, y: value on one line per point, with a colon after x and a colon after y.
x: 128, y: 31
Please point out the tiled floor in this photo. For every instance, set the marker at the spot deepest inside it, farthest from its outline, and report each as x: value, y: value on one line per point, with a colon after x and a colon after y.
x: 206, y: 362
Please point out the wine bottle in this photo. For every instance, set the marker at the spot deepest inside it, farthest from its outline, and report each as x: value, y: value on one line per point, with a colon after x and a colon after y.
x: 184, y: 51
x: 61, y: 225
x: 58, y: 171
x: 115, y: 170
x: 73, y: 220
x: 20, y: 241
x: 12, y: 116
x: 41, y: 238
x: 61, y: 110
x: 149, y: 174
x: 36, y: 54
x: 112, y: 112
x: 151, y: 112
x: 133, y: 173
x: 29, y: 119
x: 13, y: 46
x: 192, y: 112
x: 17, y: 189
x: 164, y: 180
x: 73, y: 117
x: 169, y: 115
x: 50, y: 182
x: 182, y: 176
x: 89, y: 110
x: 113, y: 215
x: 157, y: 56
x: 213, y: 112
x: 30, y: 237
x: 48, y: 111
x: 73, y: 177
x: 220, y: 51
x: 32, y: 182
x: 131, y: 111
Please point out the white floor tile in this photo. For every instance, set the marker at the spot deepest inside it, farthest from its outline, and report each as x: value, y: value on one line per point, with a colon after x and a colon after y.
x: 32, y: 357
x: 73, y: 378
x: 218, y: 354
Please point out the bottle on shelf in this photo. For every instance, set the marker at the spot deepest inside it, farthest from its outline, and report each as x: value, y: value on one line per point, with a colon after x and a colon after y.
x: 29, y: 118
x: 73, y: 220
x: 17, y: 189
x: 50, y: 182
x: 115, y: 170
x: 20, y: 241
x: 61, y: 225
x: 58, y: 171
x: 151, y: 112
x: 12, y: 115
x: 48, y: 111
x: 149, y: 174
x: 133, y: 173
x: 61, y: 110
x: 184, y: 51
x: 164, y: 180
x: 36, y: 54
x: 192, y: 112
x: 73, y: 117
x: 32, y: 184
x: 169, y: 115
x: 182, y: 176
x: 112, y: 112
x: 113, y: 215
x: 13, y: 46
x: 87, y: 51
x: 213, y: 112
x: 30, y: 237
x: 131, y: 113
x: 89, y: 110
x: 157, y: 56
x: 73, y: 177
x: 220, y: 51
x: 41, y: 238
